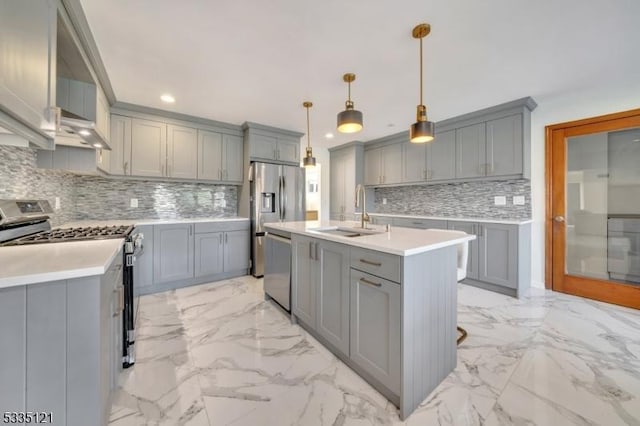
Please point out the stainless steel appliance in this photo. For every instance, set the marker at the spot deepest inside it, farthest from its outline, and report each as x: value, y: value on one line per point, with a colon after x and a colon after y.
x: 277, y: 195
x: 277, y: 269
x: 24, y: 222
x: 623, y: 241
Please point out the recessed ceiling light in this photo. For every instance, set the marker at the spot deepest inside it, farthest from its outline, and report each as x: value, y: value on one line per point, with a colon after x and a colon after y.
x: 97, y: 145
x: 84, y: 132
x: 167, y: 98
x: 328, y: 135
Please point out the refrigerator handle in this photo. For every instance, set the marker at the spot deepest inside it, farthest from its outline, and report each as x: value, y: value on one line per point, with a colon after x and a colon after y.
x: 280, y: 191
x: 250, y: 172
x: 283, y: 194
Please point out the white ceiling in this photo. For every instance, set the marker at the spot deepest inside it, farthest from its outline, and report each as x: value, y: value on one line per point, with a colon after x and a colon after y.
x: 237, y: 61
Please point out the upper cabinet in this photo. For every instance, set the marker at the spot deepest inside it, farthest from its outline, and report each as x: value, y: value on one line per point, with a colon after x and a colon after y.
x: 345, y: 174
x: 153, y: 146
x: 28, y: 69
x: 486, y: 144
x: 271, y: 145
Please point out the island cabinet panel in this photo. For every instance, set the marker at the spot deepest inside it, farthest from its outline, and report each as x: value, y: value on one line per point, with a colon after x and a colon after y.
x: 173, y: 257
x: 375, y: 327
x: 333, y: 294
x: 13, y: 333
x: 47, y: 349
x: 303, y: 291
x: 429, y: 318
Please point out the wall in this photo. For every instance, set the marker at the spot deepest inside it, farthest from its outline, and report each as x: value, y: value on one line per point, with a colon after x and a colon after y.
x: 469, y: 199
x: 560, y: 108
x: 94, y: 197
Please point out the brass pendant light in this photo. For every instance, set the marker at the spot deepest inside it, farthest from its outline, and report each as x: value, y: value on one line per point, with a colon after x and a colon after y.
x: 309, y: 160
x: 422, y: 130
x: 349, y: 120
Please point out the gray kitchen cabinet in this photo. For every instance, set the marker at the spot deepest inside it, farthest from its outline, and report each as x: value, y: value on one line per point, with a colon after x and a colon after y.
x: 209, y: 155
x: 504, y: 146
x: 303, y: 279
x: 415, y: 162
x: 220, y: 157
x: 346, y: 172
x: 332, y: 307
x: 103, y: 114
x: 498, y: 254
x: 148, y: 148
x: 375, y: 327
x: 143, y: 269
x: 271, y: 145
x: 118, y: 160
x: 420, y: 223
x: 470, y: 228
x: 28, y: 64
x: 182, y: 152
x: 64, y: 348
x: 441, y: 157
x: 173, y: 257
x: 236, y: 250
x: 471, y: 151
x: 71, y: 158
x: 77, y: 97
x: 383, y: 165
x: 209, y: 254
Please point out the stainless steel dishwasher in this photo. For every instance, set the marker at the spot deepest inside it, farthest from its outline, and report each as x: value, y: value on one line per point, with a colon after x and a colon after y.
x: 277, y: 269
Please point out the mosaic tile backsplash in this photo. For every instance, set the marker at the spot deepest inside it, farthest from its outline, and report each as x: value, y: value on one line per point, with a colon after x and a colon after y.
x: 95, y: 197
x: 469, y: 199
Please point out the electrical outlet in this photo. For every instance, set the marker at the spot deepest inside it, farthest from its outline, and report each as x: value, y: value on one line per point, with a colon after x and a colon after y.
x: 223, y: 203
x: 518, y: 200
x: 133, y: 203
x: 384, y: 201
x: 57, y: 203
x: 500, y: 200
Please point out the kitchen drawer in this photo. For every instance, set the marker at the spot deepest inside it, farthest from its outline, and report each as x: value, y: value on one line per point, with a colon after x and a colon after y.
x: 407, y: 222
x: 383, y: 265
x: 205, y: 227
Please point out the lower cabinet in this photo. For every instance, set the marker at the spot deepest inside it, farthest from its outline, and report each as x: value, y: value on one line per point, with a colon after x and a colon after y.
x: 183, y: 254
x: 357, y: 313
x: 172, y: 252
x: 472, y: 261
x: 375, y: 327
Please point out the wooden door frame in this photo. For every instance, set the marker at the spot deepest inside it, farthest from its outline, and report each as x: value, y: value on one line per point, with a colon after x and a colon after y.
x: 603, y: 123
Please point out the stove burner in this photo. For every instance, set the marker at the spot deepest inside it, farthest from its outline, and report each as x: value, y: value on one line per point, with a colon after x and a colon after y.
x: 75, y: 234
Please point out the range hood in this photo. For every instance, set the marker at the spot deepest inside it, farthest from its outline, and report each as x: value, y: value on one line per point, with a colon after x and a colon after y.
x: 77, y: 101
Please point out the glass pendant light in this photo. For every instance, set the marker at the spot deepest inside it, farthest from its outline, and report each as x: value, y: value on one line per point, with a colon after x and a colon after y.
x: 349, y: 120
x: 309, y: 160
x: 422, y: 130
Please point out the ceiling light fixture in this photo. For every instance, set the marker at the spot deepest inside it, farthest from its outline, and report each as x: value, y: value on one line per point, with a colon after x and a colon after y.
x: 84, y: 132
x: 309, y: 159
x: 167, y: 98
x: 97, y: 145
x: 328, y: 135
x: 422, y: 130
x: 349, y: 120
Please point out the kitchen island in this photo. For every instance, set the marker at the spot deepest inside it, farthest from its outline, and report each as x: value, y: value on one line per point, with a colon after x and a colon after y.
x: 384, y: 302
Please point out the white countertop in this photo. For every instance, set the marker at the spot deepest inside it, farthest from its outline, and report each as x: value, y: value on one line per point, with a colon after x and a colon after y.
x: 140, y: 222
x: 37, y: 263
x: 458, y: 219
x: 400, y: 241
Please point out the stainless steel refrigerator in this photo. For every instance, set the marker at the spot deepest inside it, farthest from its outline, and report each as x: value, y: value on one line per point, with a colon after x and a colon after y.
x: 277, y: 195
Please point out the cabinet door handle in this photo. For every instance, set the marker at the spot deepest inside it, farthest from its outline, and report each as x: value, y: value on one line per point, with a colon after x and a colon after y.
x: 226, y: 239
x: 369, y: 262
x: 190, y: 229
x: 316, y: 251
x: 480, y: 230
x: 125, y: 166
x: 311, y: 250
x: 366, y: 281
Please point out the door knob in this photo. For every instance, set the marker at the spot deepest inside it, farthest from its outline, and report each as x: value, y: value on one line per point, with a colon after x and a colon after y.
x: 559, y: 219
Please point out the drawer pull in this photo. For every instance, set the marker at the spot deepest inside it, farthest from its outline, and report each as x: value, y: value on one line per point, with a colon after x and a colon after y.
x: 366, y: 281
x: 368, y: 262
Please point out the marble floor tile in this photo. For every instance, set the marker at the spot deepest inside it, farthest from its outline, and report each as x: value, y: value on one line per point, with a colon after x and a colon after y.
x: 218, y: 354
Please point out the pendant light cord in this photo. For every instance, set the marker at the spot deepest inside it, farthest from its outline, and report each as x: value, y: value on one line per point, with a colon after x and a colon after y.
x: 421, y: 71
x: 308, y: 131
x: 349, y: 91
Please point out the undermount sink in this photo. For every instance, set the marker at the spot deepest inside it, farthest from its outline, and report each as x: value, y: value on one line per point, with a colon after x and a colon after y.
x: 347, y: 232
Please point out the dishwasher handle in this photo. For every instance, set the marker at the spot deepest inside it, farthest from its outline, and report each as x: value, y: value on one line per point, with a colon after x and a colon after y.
x: 279, y: 238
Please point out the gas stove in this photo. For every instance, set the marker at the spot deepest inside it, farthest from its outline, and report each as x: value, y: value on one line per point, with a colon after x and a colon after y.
x: 74, y: 234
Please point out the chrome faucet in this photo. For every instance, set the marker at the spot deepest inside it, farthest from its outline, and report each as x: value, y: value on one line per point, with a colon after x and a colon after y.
x: 364, y: 217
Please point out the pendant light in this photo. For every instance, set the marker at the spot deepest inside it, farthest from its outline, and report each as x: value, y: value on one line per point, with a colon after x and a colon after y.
x: 309, y: 159
x: 422, y: 130
x: 349, y: 120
